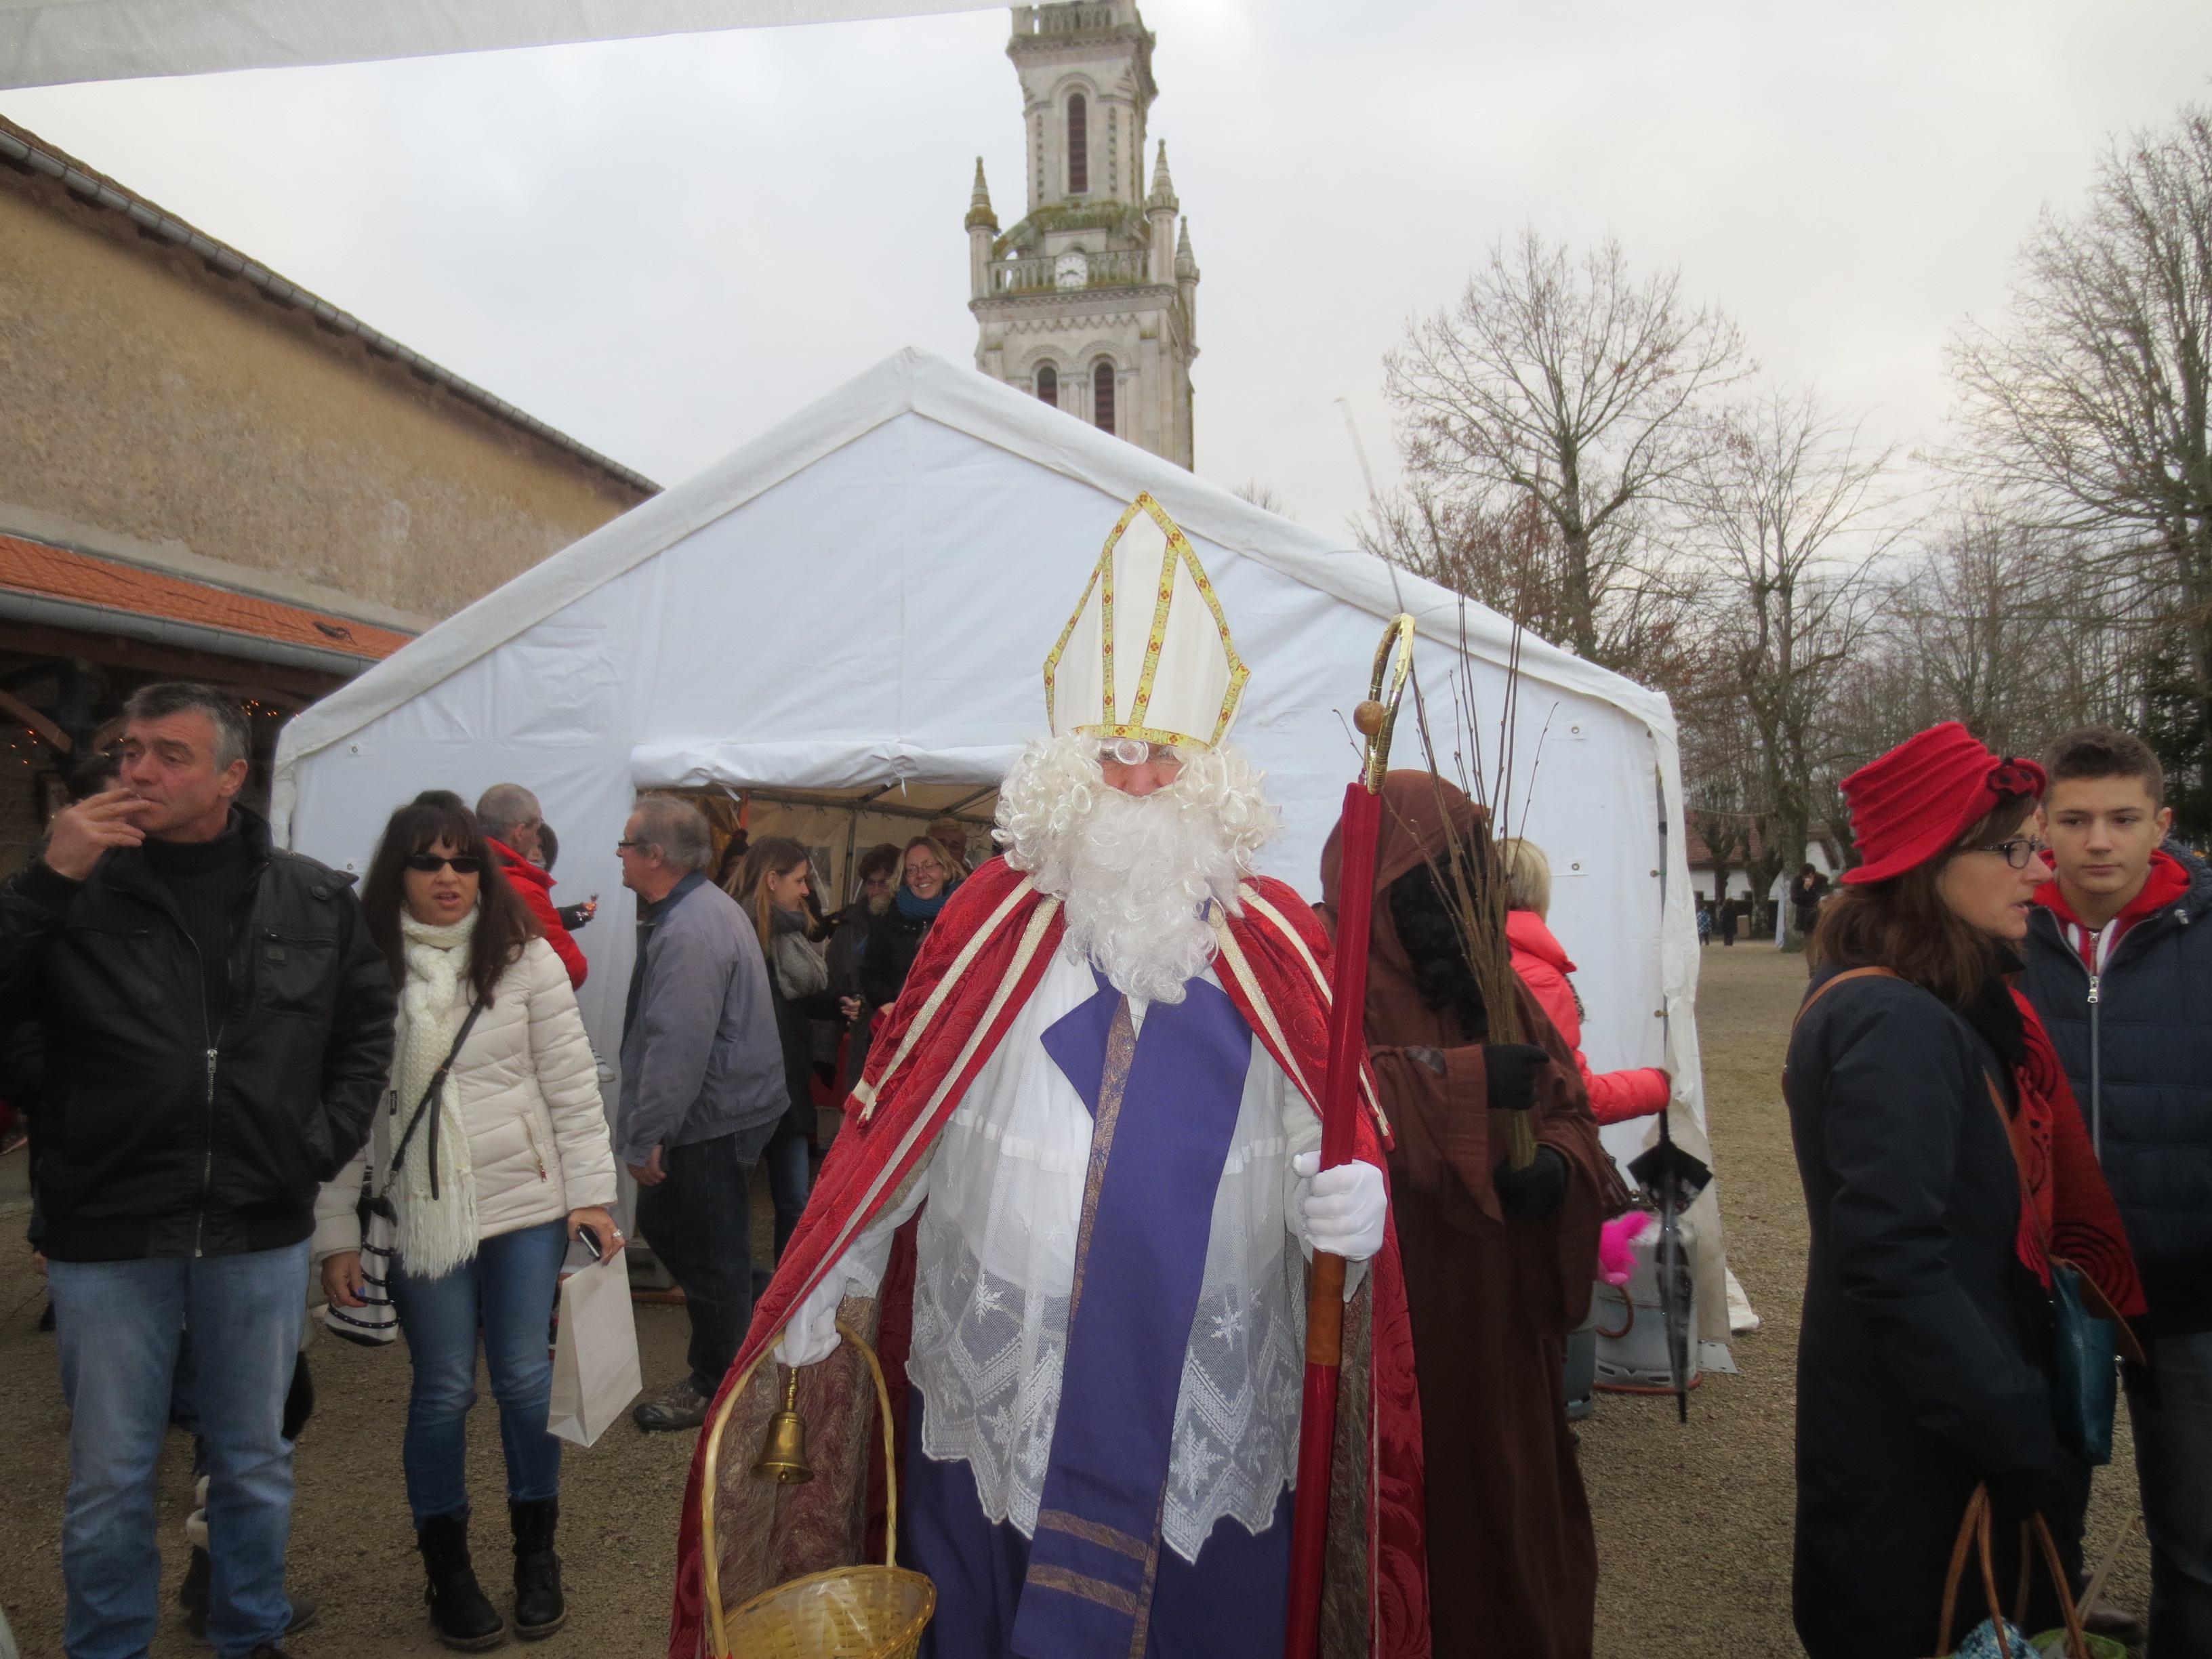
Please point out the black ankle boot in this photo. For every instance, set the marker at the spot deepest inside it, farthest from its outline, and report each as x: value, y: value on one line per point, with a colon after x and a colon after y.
x: 461, y: 1613
x: 539, y: 1609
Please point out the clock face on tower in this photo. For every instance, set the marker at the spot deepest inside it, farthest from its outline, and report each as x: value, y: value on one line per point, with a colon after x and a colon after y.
x: 1071, y: 270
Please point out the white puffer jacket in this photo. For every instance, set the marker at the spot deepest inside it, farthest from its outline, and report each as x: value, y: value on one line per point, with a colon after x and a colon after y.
x: 527, y: 1088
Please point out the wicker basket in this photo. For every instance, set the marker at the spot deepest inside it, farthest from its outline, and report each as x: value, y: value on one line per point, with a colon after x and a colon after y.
x: 847, y: 1612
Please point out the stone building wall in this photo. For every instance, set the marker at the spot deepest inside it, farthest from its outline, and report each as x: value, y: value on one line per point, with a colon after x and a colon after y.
x: 145, y: 393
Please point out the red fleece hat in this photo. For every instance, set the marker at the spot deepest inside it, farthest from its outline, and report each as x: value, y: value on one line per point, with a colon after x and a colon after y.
x: 1914, y: 804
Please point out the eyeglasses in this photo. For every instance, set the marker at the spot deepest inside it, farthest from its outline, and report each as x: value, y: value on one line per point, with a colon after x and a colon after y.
x: 466, y: 864
x: 2020, y: 852
x: 630, y: 845
x: 1135, y: 751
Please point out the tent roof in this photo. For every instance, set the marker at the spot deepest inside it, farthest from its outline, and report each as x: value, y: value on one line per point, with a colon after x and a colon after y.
x: 915, y: 381
x: 49, y: 42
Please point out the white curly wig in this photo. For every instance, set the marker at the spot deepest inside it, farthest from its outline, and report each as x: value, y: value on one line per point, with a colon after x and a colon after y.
x: 1136, y: 874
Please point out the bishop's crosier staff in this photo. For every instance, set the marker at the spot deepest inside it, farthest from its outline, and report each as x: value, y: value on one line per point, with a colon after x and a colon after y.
x: 1339, y: 1103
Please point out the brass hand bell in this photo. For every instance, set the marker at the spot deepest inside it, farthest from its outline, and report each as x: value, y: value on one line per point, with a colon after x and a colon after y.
x: 783, y: 1453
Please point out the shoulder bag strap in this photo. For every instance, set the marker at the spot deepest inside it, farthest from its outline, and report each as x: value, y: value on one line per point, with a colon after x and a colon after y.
x: 437, y: 1082
x: 1827, y: 986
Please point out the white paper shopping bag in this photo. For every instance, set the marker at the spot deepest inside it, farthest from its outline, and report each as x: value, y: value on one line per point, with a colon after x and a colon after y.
x: 595, y: 1372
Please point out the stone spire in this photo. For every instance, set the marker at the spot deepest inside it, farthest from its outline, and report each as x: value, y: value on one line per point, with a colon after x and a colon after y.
x: 1186, y: 264
x: 1163, y: 194
x: 979, y: 204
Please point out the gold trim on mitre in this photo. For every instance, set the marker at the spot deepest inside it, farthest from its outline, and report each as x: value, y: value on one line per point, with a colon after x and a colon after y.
x: 1186, y: 676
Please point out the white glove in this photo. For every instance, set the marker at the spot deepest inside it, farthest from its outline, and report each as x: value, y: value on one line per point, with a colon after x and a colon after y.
x: 1343, y: 1207
x: 810, y: 1335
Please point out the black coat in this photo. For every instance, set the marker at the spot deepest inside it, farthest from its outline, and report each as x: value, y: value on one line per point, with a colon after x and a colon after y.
x: 2148, y: 1092
x: 1920, y: 1363
x: 894, y: 940
x: 156, y: 1136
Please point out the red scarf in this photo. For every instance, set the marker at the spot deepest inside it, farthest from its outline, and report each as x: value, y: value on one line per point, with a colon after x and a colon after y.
x: 2064, y: 1198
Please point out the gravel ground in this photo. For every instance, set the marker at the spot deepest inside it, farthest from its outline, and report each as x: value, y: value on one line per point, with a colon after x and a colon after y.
x: 1692, y: 1523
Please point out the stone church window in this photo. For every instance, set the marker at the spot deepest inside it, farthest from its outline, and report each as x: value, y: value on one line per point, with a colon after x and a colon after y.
x: 1101, y: 396
x: 1048, y: 384
x: 1078, y: 146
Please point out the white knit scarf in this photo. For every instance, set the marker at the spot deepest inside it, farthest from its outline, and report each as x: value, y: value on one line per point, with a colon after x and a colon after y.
x: 435, y: 1235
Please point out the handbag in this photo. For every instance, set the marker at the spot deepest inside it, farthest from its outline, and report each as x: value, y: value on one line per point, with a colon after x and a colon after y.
x: 1996, y: 1636
x: 595, y: 1365
x: 2088, y: 1335
x: 376, y: 1321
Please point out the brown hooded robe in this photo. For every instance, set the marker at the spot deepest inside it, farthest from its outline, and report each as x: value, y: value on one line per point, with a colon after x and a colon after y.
x: 1512, y: 1563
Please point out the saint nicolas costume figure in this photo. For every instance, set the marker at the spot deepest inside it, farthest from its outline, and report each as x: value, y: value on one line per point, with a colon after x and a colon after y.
x: 1498, y: 1263
x: 1071, y: 1205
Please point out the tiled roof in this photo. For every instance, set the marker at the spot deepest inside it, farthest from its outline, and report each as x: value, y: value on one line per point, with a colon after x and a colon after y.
x: 59, y: 572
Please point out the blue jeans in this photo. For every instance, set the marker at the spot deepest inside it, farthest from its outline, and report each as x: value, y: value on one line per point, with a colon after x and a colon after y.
x: 790, y: 1177
x: 508, y: 1290
x: 2173, y: 1466
x: 699, y: 1222
x: 120, y: 1323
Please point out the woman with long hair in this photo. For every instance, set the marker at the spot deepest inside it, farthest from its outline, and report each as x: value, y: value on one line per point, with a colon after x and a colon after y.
x: 1923, y: 1365
x: 491, y: 1152
x: 928, y: 877
x: 772, y: 885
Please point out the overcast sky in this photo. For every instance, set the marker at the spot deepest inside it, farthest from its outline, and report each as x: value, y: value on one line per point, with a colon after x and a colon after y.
x: 666, y: 246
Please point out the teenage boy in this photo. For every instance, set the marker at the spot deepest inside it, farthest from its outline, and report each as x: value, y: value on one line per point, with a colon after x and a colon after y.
x: 2119, y: 965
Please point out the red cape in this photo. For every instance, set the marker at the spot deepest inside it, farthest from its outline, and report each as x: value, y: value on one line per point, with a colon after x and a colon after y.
x: 978, y: 966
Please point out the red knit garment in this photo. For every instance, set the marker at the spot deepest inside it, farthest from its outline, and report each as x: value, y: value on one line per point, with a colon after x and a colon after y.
x: 2063, y: 1197
x: 2169, y: 881
x: 1912, y: 803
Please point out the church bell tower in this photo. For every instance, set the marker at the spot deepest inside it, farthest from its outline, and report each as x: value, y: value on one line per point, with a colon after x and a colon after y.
x: 1090, y: 302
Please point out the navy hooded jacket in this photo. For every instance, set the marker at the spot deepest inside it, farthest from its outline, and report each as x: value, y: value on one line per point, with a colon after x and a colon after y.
x: 2137, y: 1048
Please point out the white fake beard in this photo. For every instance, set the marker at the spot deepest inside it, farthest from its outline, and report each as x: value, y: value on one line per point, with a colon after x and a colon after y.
x: 1136, y: 874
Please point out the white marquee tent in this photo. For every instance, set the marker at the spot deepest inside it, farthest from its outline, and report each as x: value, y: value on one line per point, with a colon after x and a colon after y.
x: 847, y: 619
x: 49, y: 42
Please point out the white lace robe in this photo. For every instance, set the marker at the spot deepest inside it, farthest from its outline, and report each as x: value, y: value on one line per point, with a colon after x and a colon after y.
x: 997, y: 1258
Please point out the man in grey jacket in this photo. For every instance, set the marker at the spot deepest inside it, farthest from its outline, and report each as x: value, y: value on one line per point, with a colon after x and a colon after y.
x: 702, y: 1087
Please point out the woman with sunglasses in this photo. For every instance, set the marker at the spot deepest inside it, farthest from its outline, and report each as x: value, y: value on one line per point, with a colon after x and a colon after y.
x: 489, y: 1169
x: 1924, y: 1360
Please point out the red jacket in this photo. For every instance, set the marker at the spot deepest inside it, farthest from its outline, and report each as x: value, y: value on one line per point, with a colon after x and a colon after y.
x: 536, y: 887
x: 1539, y: 958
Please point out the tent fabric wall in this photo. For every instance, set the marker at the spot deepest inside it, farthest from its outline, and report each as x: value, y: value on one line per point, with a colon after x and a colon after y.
x: 53, y: 42
x: 959, y: 519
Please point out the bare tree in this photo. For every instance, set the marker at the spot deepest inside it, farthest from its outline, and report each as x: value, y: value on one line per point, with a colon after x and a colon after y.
x: 1263, y: 495
x: 1792, y: 510
x: 2091, y: 405
x: 2009, y: 628
x: 1568, y: 383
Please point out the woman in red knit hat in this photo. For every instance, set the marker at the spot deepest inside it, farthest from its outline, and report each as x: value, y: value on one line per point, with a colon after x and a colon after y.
x: 1924, y: 1358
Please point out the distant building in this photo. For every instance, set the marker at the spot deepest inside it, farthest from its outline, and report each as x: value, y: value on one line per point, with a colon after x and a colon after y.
x: 1706, y: 868
x: 1090, y: 302
x: 208, y: 472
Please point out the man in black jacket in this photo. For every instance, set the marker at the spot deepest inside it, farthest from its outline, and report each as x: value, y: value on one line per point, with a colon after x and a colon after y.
x: 217, y: 1031
x: 2120, y: 968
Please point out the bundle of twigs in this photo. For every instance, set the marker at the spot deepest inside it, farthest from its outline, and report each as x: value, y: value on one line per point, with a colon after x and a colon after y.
x: 1470, y: 876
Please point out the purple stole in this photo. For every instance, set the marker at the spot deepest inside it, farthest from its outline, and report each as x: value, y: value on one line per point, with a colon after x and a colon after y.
x: 1164, y: 1107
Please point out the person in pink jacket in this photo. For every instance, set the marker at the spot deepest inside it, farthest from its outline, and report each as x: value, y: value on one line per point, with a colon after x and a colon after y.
x: 1542, y: 963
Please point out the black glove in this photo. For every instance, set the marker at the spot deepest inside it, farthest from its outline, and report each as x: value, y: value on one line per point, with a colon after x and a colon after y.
x: 574, y: 917
x: 2017, y: 1494
x: 1512, y: 1069
x: 1534, y: 1194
